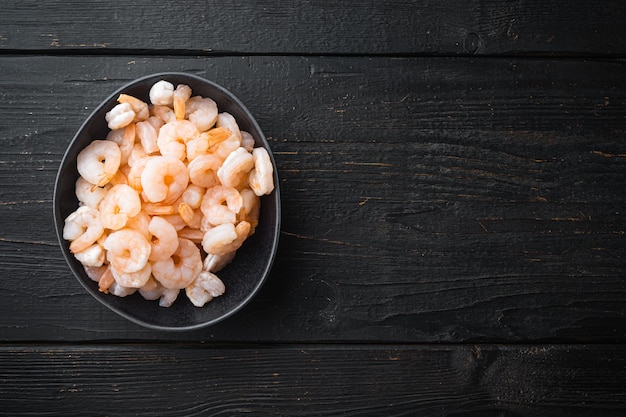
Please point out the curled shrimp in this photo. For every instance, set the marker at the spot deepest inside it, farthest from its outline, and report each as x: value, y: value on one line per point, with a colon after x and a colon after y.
x: 128, y: 250
x: 234, y: 170
x: 173, y: 137
x: 130, y: 280
x: 261, y: 179
x: 147, y: 134
x: 181, y: 268
x: 203, y: 170
x: 225, y: 238
x: 204, y: 288
x: 89, y: 194
x: 140, y: 223
x: 162, y: 93
x: 139, y: 107
x: 152, y: 290
x: 202, y: 112
x: 227, y: 122
x: 192, y: 196
x: 120, y: 204
x: 164, y: 179
x: 125, y: 139
x: 181, y: 95
x: 82, y: 228
x: 250, y: 209
x: 163, y: 113
x: 120, y: 116
x: 221, y: 204
x: 92, y: 256
x: 164, y: 239
x: 99, y: 161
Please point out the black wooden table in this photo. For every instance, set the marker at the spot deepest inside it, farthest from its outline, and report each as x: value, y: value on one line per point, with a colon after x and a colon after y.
x: 452, y: 240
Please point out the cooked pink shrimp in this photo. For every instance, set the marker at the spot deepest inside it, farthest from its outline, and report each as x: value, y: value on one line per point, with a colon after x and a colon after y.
x: 203, y: 170
x: 120, y: 116
x: 164, y: 240
x: 202, y: 112
x: 99, y: 161
x: 247, y: 141
x: 136, y: 154
x: 129, y: 280
x: 128, y: 250
x: 173, y: 137
x: 82, y: 228
x: 193, y: 218
x: 139, y: 107
x: 134, y: 175
x: 162, y: 93
x: 163, y: 113
x: 125, y: 139
x: 95, y: 272
x: 221, y: 204
x: 119, y: 290
x: 181, y: 269
x: 152, y: 290
x: 234, y: 170
x: 181, y: 95
x: 261, y: 178
x: 227, y: 122
x: 215, y: 263
x: 204, y: 288
x: 140, y: 223
x: 225, y: 238
x: 251, y: 208
x: 164, y: 179
x: 176, y: 221
x: 192, y: 196
x: 120, y: 204
x: 147, y: 135
x: 89, y: 194
x: 92, y: 256
x: 193, y: 234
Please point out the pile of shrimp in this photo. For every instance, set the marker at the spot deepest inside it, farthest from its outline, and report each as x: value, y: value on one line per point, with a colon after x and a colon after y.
x: 167, y: 198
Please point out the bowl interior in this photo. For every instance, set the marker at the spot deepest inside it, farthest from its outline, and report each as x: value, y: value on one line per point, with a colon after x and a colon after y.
x: 246, y: 273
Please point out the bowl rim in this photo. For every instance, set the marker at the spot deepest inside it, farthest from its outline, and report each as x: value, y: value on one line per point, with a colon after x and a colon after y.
x: 275, y: 233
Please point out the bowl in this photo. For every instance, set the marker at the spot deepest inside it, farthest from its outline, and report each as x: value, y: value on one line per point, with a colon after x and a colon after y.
x: 243, y: 277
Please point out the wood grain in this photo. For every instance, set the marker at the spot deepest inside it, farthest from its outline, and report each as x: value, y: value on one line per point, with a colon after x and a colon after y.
x: 391, y: 380
x: 316, y: 27
x: 430, y: 200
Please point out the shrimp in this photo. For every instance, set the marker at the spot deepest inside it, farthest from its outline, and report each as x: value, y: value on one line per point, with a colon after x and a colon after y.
x: 134, y: 175
x: 120, y: 116
x: 147, y: 134
x: 120, y: 204
x: 225, y: 238
x: 136, y: 154
x: 202, y: 112
x: 162, y: 93
x: 234, y: 170
x: 92, y: 256
x: 89, y: 194
x: 193, y: 218
x: 181, y: 95
x: 125, y: 139
x: 173, y: 137
x: 119, y: 290
x: 261, y: 179
x: 247, y: 141
x: 194, y: 234
x: 192, y: 196
x: 227, y: 122
x: 203, y: 170
x: 139, y: 107
x: 181, y: 268
x: 99, y: 161
x: 215, y: 263
x: 207, y: 142
x: 251, y: 208
x: 83, y: 228
x: 164, y: 239
x: 221, y: 204
x: 128, y: 250
x: 152, y: 290
x: 133, y: 280
x: 163, y: 113
x: 204, y: 288
x: 164, y: 179
x: 95, y: 272
x: 140, y: 223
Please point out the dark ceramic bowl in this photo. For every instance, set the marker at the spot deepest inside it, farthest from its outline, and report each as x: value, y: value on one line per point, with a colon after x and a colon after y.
x: 247, y: 272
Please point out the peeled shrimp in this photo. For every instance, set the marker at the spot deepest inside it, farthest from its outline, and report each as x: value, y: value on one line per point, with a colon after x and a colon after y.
x: 164, y: 113
x: 120, y: 204
x: 192, y: 196
x: 99, y: 161
x: 162, y: 93
x: 235, y: 168
x: 202, y: 112
x: 164, y: 179
x: 139, y: 107
x: 181, y: 269
x: 92, y: 256
x: 215, y: 263
x: 89, y: 194
x: 173, y: 137
x: 83, y: 228
x: 225, y: 238
x: 152, y: 290
x: 251, y: 208
x: 132, y: 279
x: 227, y: 122
x: 204, y: 288
x: 261, y: 179
x: 203, y: 170
x: 120, y: 116
x: 128, y: 250
x: 164, y: 239
x: 147, y: 134
x: 181, y: 95
x: 125, y: 139
x: 221, y: 204
x: 247, y: 141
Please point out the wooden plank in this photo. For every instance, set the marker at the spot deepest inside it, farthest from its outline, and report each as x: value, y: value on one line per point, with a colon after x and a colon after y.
x: 175, y: 380
x: 305, y: 27
x: 432, y: 200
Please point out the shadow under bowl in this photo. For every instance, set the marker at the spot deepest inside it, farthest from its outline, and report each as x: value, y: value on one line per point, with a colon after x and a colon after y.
x: 243, y: 277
